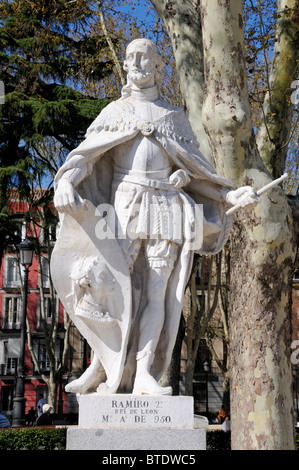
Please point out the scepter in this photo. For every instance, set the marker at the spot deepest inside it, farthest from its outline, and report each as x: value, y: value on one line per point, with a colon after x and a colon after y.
x: 261, y: 191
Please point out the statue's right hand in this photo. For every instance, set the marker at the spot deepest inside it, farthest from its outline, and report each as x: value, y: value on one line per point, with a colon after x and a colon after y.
x: 66, y: 198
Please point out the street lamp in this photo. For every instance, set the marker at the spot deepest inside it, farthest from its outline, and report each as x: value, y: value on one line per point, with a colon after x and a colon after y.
x: 26, y: 249
x: 206, y: 369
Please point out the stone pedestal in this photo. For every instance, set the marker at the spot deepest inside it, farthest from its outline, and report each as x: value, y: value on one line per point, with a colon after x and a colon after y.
x: 129, y: 422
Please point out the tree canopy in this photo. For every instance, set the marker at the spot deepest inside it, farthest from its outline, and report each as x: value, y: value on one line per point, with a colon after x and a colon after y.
x: 47, y: 48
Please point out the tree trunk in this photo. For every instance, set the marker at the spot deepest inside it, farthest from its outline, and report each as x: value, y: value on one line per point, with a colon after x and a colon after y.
x: 117, y: 64
x: 52, y: 397
x: 262, y: 241
x: 182, y: 21
x: 262, y: 247
x: 274, y: 132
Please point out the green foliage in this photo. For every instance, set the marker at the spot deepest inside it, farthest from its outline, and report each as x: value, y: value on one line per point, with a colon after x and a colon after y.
x: 35, y: 438
x: 47, y: 49
x: 218, y: 440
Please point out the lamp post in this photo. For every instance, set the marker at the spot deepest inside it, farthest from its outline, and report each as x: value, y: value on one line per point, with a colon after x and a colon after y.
x: 26, y: 249
x: 206, y: 369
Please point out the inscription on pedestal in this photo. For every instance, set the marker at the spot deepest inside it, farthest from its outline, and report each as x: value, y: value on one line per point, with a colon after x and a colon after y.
x: 136, y: 411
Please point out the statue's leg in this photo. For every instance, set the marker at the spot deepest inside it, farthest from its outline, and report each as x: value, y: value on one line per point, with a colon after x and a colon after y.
x: 89, y: 380
x: 145, y: 384
x: 151, y: 324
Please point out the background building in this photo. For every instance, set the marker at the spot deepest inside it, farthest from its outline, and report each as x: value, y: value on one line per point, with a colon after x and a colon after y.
x: 208, y: 376
x: 39, y: 301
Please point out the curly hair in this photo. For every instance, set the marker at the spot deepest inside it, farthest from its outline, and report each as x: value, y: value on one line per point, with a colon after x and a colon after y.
x: 126, y: 91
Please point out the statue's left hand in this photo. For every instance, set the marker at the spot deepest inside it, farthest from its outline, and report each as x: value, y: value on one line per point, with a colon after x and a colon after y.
x: 243, y: 197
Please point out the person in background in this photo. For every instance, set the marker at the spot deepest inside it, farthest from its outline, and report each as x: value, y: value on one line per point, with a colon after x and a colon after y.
x: 40, y: 403
x: 4, y: 423
x: 223, y: 415
x: 44, y: 419
x: 31, y: 416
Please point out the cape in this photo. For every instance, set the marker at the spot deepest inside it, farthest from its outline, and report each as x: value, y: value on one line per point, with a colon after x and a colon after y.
x: 117, y: 124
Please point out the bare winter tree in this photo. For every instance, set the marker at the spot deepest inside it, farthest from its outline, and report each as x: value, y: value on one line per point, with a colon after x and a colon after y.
x: 41, y: 219
x: 208, y: 42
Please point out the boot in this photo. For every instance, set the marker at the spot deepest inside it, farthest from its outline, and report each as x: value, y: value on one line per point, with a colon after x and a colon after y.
x: 145, y: 384
x: 89, y: 380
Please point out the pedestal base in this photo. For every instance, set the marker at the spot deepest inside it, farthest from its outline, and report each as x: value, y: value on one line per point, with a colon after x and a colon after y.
x: 136, y: 439
x: 130, y: 422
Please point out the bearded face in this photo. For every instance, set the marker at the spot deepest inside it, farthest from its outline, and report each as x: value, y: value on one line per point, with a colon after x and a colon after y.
x: 141, y: 64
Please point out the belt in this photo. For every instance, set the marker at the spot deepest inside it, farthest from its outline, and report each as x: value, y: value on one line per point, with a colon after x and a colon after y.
x: 149, y: 183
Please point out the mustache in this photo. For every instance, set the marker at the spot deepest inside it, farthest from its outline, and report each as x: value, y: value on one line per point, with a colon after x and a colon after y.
x: 137, y: 74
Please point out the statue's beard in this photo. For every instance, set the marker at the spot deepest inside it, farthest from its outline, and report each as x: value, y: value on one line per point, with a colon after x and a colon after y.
x: 139, y: 77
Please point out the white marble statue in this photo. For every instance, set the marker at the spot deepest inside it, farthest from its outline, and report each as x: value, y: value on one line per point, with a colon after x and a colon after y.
x: 124, y: 291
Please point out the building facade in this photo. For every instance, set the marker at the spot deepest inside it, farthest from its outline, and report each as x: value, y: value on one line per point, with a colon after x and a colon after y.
x: 43, y: 313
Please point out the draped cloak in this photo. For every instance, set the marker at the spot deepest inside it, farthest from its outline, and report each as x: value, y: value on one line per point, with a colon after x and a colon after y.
x: 118, y: 123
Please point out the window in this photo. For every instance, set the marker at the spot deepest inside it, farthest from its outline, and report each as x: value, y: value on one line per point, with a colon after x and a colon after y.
x: 9, y: 351
x: 45, y: 272
x: 11, y: 272
x: 47, y: 233
x: 40, y: 351
x: 42, y: 357
x: 7, y: 395
x: 21, y: 229
x: 12, y: 311
x: 18, y: 230
x: 48, y: 310
x: 12, y: 365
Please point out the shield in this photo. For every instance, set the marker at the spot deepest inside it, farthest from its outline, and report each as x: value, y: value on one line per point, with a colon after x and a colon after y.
x: 77, y: 260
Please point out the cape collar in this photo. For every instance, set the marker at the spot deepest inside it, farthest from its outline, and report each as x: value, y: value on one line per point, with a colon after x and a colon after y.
x: 145, y: 94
